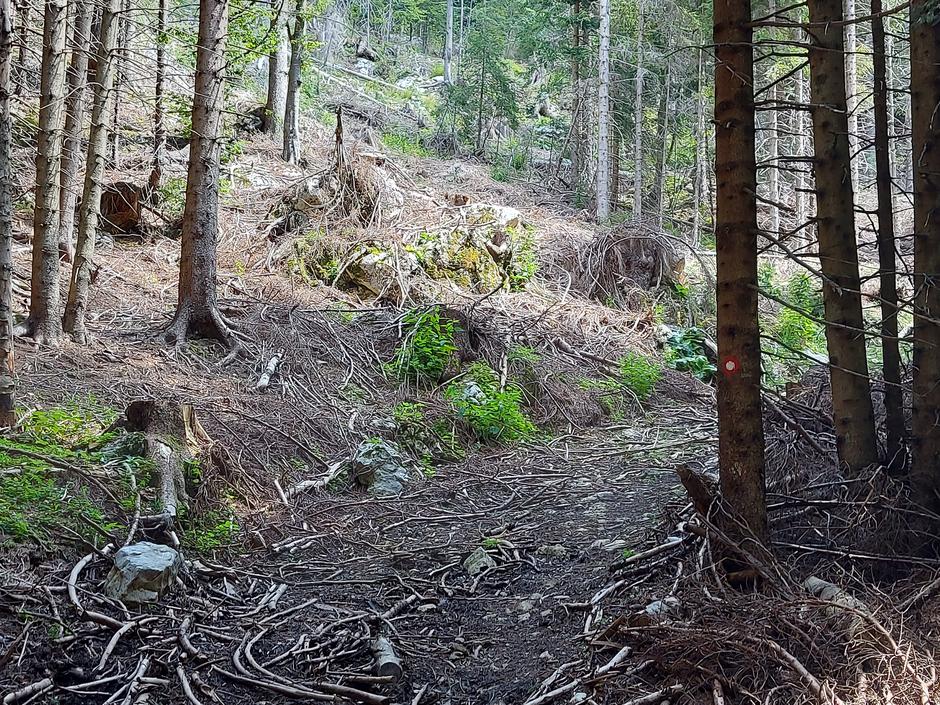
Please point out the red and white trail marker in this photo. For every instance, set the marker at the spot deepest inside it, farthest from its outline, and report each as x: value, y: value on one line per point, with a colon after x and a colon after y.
x: 730, y: 366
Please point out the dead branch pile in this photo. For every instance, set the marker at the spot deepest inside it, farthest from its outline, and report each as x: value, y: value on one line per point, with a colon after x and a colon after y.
x: 624, y: 258
x: 820, y: 620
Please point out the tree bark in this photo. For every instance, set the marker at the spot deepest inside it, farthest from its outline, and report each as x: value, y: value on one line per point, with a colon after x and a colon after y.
x: 925, y: 96
x: 121, y: 78
x: 44, y: 323
x: 638, y: 121
x: 7, y: 368
x: 887, y: 264
x: 278, y: 67
x: 291, y: 149
x: 449, y: 43
x: 602, y: 187
x: 853, y: 416
x: 773, y: 147
x: 90, y: 211
x: 159, y: 107
x: 740, y: 424
x: 802, y: 151
x: 197, y: 310
x: 74, y: 116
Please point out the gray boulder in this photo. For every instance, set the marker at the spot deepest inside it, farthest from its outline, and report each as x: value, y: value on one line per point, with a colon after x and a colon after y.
x: 142, y: 572
x: 381, y: 467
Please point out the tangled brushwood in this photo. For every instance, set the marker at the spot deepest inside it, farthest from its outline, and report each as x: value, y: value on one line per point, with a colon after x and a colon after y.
x: 822, y: 618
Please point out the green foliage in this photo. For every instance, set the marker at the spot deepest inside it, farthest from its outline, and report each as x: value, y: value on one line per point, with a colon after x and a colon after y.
x: 429, y: 440
x: 639, y: 374
x: 522, y: 356
x: 524, y: 265
x: 492, y: 413
x: 685, y: 351
x: 173, y: 195
x: 428, y: 347
x: 211, y: 531
x: 437, y: 70
x: 406, y: 144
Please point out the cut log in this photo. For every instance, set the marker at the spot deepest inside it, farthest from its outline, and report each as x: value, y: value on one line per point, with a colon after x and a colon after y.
x: 387, y: 662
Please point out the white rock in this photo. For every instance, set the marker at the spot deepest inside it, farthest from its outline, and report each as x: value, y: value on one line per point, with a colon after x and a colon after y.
x: 142, y: 572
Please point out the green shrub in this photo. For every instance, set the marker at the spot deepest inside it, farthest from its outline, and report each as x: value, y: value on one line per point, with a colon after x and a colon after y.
x: 437, y: 70
x: 524, y: 264
x: 639, y: 374
x: 492, y: 413
x: 428, y: 347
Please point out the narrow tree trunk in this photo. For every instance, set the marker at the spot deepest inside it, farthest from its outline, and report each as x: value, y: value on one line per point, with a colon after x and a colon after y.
x: 278, y: 68
x: 159, y: 107
x: 659, y: 180
x: 120, y: 79
x: 740, y: 424
x: 44, y: 323
x: 698, y: 178
x: 577, y: 109
x: 291, y: 150
x: 25, y: 9
x: 449, y: 44
x: 615, y: 149
x: 925, y: 96
x: 802, y: 152
x: 638, y: 122
x: 887, y: 265
x: 89, y: 212
x: 74, y: 115
x: 197, y: 309
x: 853, y: 415
x: 7, y: 368
x: 603, y: 114
x: 851, y: 86
x: 773, y: 147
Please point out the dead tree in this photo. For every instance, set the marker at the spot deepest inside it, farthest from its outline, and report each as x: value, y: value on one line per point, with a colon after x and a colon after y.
x: 89, y: 213
x: 278, y: 67
x: 197, y: 311
x: 291, y: 148
x: 44, y: 323
x: 740, y: 425
x: 852, y: 410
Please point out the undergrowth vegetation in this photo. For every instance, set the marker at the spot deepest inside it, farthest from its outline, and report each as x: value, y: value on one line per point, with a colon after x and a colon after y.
x: 428, y: 347
x: 492, y: 411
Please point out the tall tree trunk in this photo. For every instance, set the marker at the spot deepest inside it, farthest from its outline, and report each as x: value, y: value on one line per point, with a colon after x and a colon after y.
x: 7, y: 368
x: 197, y: 309
x: 925, y: 96
x: 291, y: 151
x: 159, y: 106
x: 74, y: 115
x: 773, y: 145
x: 638, y: 121
x: 44, y: 323
x: 21, y: 73
x: 659, y: 179
x: 699, y: 177
x: 449, y: 43
x: 887, y: 265
x: 577, y: 106
x: 802, y: 152
x: 121, y: 78
x: 615, y: 149
x: 95, y: 159
x: 740, y: 422
x: 851, y: 86
x: 852, y: 411
x: 603, y: 114
x: 278, y: 68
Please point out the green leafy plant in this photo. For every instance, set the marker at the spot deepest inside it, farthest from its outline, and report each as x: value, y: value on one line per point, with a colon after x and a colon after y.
x: 494, y: 414
x: 524, y: 265
x: 428, y: 347
x: 639, y: 374
x: 685, y: 351
x: 406, y: 144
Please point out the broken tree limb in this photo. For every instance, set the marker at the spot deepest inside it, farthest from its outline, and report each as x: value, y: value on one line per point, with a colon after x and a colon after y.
x: 269, y: 371
x: 387, y: 662
x: 697, y: 486
x: 31, y: 690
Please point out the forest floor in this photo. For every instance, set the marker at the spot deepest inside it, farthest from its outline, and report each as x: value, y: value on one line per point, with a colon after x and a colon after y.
x: 306, y: 585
